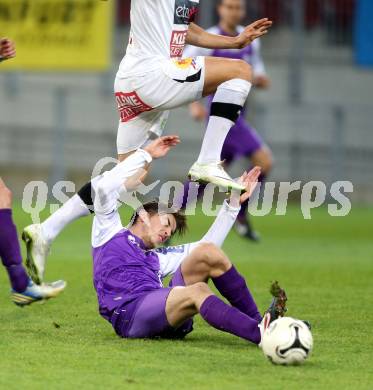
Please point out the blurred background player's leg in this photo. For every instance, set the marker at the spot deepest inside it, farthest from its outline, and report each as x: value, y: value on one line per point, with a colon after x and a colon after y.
x: 243, y: 140
x: 24, y: 291
x: 262, y: 158
x: 232, y: 82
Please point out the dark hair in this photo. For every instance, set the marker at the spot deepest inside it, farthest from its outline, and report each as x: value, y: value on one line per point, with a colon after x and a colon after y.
x: 156, y: 207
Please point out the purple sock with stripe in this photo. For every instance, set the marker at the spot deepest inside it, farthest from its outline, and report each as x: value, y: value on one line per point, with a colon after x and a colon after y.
x: 229, y: 319
x: 10, y: 252
x: 233, y: 287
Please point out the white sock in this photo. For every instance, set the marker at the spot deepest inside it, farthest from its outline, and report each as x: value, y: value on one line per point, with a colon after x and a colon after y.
x: 73, y: 209
x: 234, y: 91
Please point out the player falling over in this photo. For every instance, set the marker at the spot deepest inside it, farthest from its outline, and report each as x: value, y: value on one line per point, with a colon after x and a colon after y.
x: 128, y: 270
x: 152, y: 79
x: 242, y: 140
x: 24, y: 290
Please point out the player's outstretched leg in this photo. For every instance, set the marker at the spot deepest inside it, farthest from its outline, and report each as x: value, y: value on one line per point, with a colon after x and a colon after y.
x: 184, y: 302
x: 231, y: 79
x: 208, y: 261
x: 39, y: 237
x: 24, y: 291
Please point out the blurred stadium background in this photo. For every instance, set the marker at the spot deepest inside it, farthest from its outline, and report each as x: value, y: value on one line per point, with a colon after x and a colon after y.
x: 317, y: 117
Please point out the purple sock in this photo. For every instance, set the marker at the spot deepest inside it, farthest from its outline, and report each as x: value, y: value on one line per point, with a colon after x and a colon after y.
x: 229, y: 319
x: 242, y: 214
x: 10, y: 252
x: 234, y: 288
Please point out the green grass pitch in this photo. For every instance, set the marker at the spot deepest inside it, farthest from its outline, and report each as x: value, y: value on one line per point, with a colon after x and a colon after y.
x: 325, y: 264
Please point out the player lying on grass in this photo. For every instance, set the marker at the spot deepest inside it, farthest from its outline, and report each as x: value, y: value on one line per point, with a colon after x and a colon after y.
x: 24, y: 291
x: 153, y: 79
x: 7, y: 49
x: 129, y: 268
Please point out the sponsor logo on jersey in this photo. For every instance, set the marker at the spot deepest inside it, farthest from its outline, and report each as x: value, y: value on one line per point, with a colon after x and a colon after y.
x: 130, y: 106
x: 177, y: 43
x: 170, y: 249
x: 185, y: 63
x: 185, y: 11
x: 131, y: 239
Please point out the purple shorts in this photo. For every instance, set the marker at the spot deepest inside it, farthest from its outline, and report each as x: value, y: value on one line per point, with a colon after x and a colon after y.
x: 242, y: 140
x: 145, y: 317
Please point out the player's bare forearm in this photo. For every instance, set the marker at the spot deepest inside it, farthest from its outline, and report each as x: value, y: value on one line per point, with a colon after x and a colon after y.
x: 197, y: 36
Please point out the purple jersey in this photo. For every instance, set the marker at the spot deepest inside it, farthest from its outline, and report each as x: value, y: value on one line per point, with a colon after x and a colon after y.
x: 123, y: 269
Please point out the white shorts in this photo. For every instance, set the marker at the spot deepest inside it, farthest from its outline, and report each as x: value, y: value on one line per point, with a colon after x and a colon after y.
x: 143, y: 101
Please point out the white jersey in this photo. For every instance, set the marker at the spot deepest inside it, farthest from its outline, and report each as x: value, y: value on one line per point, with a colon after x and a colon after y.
x: 158, y: 31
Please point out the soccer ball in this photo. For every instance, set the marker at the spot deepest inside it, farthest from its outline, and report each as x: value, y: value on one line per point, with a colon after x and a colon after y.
x: 287, y: 341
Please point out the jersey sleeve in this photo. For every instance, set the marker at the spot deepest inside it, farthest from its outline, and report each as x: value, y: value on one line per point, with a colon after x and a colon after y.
x: 107, y: 188
x: 222, y: 225
x: 257, y: 60
x: 170, y: 258
x: 109, y: 185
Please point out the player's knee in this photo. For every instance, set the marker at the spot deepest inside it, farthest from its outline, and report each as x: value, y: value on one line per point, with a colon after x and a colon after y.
x: 214, y: 257
x: 200, y: 289
x: 267, y: 162
x: 264, y: 160
x: 5, y: 196
x: 243, y: 70
x: 268, y: 165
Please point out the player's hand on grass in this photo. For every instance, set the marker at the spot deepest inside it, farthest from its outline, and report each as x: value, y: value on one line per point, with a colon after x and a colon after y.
x: 250, y: 181
x: 252, y: 32
x: 162, y: 145
x: 7, y: 49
